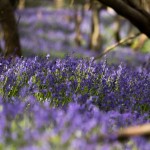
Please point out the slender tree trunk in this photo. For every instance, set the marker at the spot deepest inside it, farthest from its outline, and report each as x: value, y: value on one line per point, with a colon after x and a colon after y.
x: 118, y: 28
x: 9, y: 27
x: 59, y: 4
x: 95, y: 39
x: 21, y: 4
x: 79, y: 14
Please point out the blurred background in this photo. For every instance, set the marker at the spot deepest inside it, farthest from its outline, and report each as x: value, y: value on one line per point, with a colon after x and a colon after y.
x: 81, y: 28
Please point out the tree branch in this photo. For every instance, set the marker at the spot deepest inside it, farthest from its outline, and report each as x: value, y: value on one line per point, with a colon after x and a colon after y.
x: 141, y: 130
x: 110, y: 48
x: 137, y: 16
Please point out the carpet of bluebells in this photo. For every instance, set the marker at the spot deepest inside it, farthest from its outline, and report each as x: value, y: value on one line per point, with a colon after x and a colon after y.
x: 71, y: 104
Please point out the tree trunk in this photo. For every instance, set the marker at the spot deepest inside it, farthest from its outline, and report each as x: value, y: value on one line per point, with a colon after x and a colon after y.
x: 79, y: 14
x: 59, y: 4
x: 14, y: 3
x: 21, y: 4
x: 136, y: 11
x: 1, y: 35
x: 1, y: 50
x: 9, y: 27
x: 95, y: 37
x: 95, y: 40
x: 118, y: 28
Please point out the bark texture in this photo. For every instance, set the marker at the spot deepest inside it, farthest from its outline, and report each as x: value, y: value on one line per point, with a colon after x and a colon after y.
x: 9, y: 27
x: 136, y: 11
x: 95, y: 37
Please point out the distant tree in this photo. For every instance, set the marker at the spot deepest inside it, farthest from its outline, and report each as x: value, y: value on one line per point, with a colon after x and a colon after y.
x: 95, y: 36
x: 9, y: 27
x: 59, y: 3
x: 78, y: 18
x: 21, y: 4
